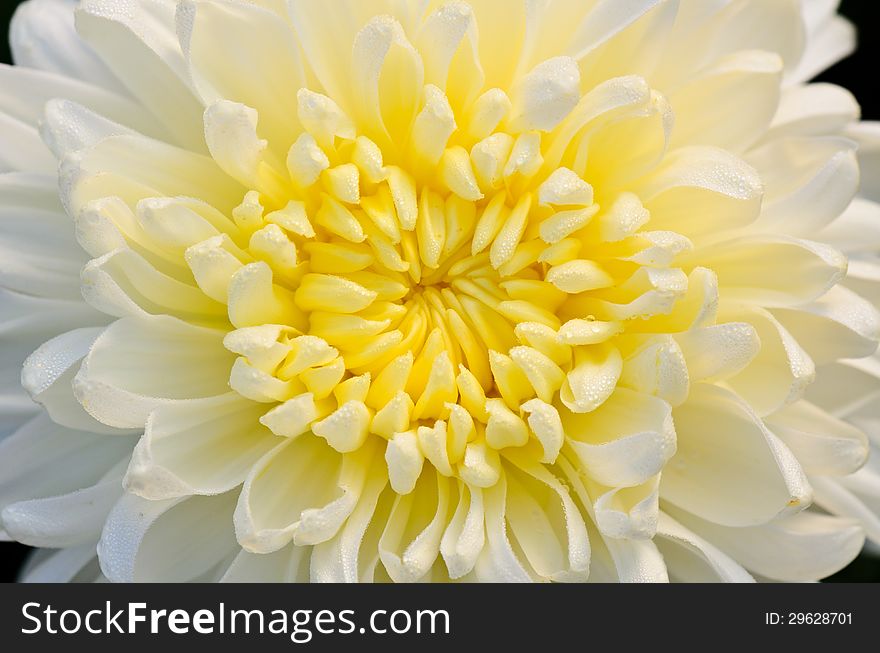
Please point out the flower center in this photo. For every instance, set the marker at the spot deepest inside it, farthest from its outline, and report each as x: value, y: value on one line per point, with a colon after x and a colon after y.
x: 452, y: 289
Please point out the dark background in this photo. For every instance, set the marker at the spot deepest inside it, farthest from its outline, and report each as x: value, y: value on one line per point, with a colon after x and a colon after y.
x: 858, y: 73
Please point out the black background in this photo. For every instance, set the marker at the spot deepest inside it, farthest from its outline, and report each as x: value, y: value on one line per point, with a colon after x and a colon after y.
x: 858, y: 73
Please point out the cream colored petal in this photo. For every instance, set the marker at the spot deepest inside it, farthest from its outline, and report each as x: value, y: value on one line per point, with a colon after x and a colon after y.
x: 707, y: 110
x: 465, y: 536
x: 287, y: 565
x: 47, y: 375
x: 691, y: 559
x: 727, y: 190
x: 780, y: 372
x: 718, y: 351
x: 809, y: 181
x: 301, y: 491
x: 139, y: 364
x: 838, y: 325
x: 136, y: 167
x: 202, y: 447
x: 387, y: 81
x: 804, y: 547
x: 498, y: 562
x: 166, y: 541
x: 546, y: 523
x: 123, y: 283
x: 347, y: 558
x: 756, y: 269
x: 624, y: 442
x: 52, y: 460
x: 729, y: 468
x: 411, y: 541
x: 140, y: 47
x: 266, y: 72
x: 65, y: 520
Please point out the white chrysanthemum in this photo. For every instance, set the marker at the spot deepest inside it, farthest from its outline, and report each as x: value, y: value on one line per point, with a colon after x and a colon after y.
x: 415, y: 289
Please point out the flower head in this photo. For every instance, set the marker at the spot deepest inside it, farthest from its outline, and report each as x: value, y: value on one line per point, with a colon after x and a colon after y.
x: 424, y: 291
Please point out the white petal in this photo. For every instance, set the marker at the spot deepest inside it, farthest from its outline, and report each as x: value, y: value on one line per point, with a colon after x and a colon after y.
x: 26, y: 92
x: 50, y: 460
x: 65, y: 520
x: 48, y: 373
x: 831, y: 495
x: 757, y: 269
x: 301, y: 491
x: 691, y: 559
x: 139, y: 364
x: 814, y: 110
x: 780, y: 372
x: 265, y: 73
x: 858, y: 228
x: 140, y: 47
x: 350, y: 555
x: 206, y: 446
x: 22, y: 150
x: 42, y: 35
x: 411, y: 541
x: 64, y: 566
x: 287, y: 565
x: 729, y: 468
x: 625, y: 441
x: 804, y: 547
x: 823, y: 444
x: 832, y: 41
x: 838, y: 325
x: 809, y: 181
x: 705, y: 112
x: 166, y: 541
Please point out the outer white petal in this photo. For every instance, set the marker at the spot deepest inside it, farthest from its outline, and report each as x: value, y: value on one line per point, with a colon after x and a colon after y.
x: 65, y: 520
x: 691, y: 559
x: 73, y: 564
x: 822, y: 443
x: 287, y: 565
x: 48, y: 375
x: 301, y: 491
x: 264, y: 73
x: 206, y: 446
x: 166, y: 541
x: 42, y: 35
x: 51, y: 460
x: 139, y: 364
x: 729, y: 468
x: 140, y: 47
x: 803, y: 547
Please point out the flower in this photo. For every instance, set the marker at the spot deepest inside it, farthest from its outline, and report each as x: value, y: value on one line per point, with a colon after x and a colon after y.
x: 408, y: 290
